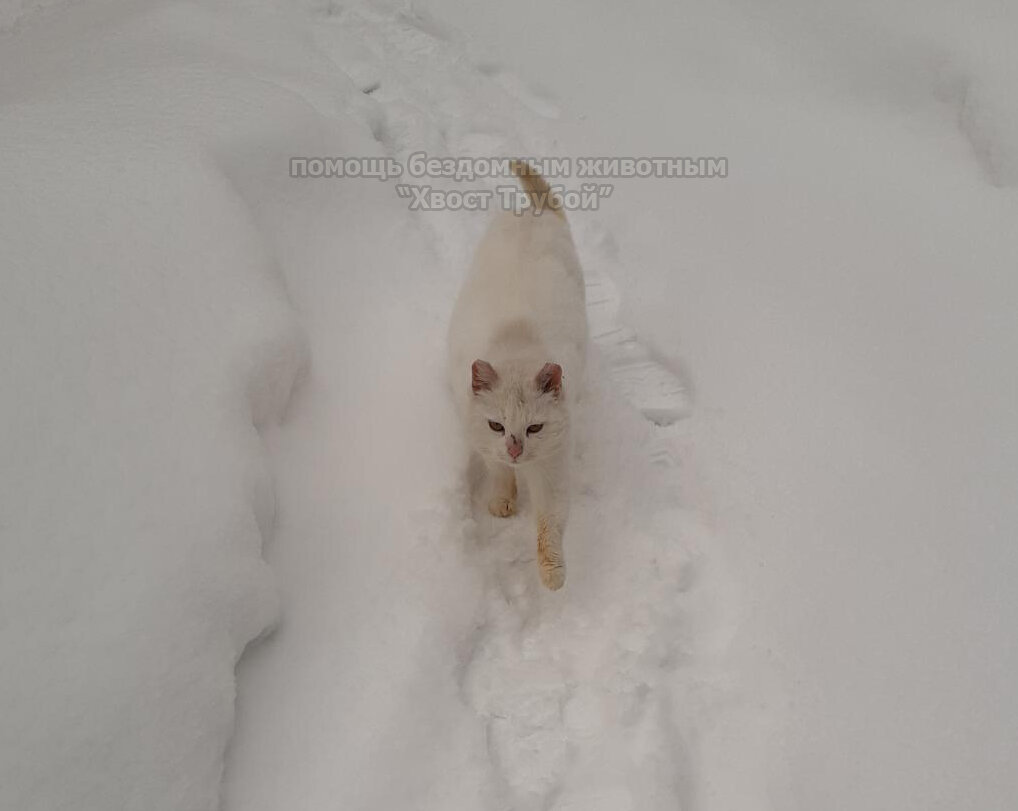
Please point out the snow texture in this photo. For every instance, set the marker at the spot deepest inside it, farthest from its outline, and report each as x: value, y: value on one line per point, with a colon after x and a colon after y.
x: 791, y: 547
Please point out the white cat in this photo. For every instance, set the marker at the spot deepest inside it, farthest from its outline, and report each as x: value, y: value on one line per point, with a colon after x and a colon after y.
x: 517, y: 349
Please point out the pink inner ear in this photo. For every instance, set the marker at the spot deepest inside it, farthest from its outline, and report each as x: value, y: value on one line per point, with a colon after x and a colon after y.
x: 550, y: 378
x: 483, y: 376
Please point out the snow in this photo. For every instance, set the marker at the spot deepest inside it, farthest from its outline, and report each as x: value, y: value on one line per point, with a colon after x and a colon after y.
x: 146, y: 334
x: 791, y: 547
x: 844, y: 302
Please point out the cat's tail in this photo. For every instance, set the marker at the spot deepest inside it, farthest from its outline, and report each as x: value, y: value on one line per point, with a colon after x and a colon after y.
x: 541, y: 196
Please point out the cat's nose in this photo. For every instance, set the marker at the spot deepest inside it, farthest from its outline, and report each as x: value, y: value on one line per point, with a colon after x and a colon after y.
x: 514, y: 446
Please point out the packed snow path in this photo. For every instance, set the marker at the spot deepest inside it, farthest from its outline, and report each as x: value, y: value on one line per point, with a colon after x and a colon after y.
x: 425, y: 641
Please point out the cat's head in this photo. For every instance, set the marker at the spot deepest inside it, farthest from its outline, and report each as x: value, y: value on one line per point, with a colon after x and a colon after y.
x: 517, y: 412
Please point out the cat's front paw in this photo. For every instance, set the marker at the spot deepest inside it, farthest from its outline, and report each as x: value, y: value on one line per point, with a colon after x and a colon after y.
x: 502, y: 507
x: 550, y: 563
x: 553, y: 576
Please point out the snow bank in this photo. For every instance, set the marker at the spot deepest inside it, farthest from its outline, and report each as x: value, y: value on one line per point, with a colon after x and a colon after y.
x: 146, y: 335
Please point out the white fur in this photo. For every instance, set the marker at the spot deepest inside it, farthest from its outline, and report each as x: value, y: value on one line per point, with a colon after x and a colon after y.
x: 522, y: 306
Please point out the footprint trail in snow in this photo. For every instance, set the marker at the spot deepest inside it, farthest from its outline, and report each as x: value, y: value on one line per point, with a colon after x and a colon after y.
x: 581, y: 694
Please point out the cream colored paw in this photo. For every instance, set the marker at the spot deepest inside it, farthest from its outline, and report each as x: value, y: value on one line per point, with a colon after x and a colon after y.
x: 550, y: 564
x: 502, y: 507
x: 553, y: 576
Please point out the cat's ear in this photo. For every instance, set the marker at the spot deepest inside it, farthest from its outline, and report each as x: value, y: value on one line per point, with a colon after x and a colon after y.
x: 483, y: 376
x: 549, y: 379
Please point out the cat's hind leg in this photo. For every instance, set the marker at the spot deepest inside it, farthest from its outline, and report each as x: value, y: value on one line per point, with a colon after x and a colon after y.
x: 502, y: 502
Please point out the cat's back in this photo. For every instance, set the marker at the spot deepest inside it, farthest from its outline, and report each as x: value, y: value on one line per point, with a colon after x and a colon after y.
x: 526, y: 283
x: 526, y: 267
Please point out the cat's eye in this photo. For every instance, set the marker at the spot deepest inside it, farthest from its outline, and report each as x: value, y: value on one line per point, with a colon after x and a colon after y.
x: 497, y: 427
x: 535, y: 429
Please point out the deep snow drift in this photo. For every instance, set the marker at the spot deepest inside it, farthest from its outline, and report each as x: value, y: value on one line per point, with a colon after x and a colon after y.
x: 791, y: 551
x: 146, y: 336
